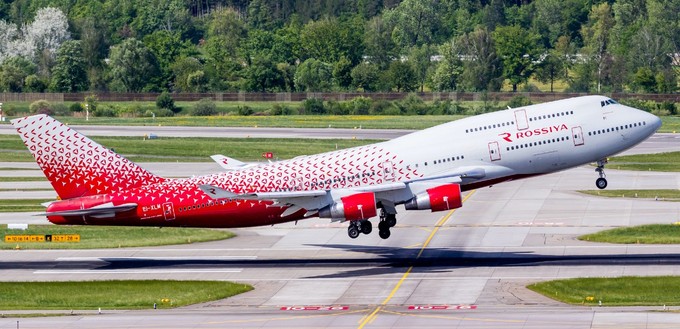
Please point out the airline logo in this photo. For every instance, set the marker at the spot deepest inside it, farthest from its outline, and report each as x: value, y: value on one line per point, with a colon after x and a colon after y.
x: 536, y: 132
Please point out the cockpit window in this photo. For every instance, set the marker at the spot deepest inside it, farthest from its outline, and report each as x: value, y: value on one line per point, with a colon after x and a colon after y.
x: 607, y: 102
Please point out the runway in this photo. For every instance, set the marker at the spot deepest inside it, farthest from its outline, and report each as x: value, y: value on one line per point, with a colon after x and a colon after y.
x: 462, y: 269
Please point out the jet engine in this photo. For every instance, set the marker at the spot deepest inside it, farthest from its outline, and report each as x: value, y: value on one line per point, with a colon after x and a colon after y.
x: 440, y: 198
x: 353, y: 207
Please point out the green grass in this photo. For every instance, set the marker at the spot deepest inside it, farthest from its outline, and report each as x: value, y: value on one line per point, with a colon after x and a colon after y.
x: 120, y: 295
x: 623, y: 291
x: 644, y: 234
x: 18, y: 205
x: 171, y: 149
x: 664, y: 195
x: 21, y: 178
x: 96, y: 237
x: 669, y: 162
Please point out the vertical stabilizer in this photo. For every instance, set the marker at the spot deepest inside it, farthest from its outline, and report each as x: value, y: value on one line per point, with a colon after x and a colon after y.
x: 74, y: 164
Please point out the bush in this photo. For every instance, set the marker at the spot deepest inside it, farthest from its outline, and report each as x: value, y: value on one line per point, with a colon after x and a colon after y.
x: 279, y: 109
x: 204, y: 107
x: 158, y: 113
x: 381, y: 107
x: 104, y: 111
x: 41, y: 107
x: 76, y: 107
x: 245, y: 110
x: 91, y: 101
x: 60, y: 109
x: 412, y: 104
x: 338, y: 108
x: 361, y: 105
x: 313, y: 106
x: 165, y: 101
x: 519, y: 101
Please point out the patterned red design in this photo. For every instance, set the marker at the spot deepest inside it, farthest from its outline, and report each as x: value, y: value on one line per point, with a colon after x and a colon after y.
x: 78, y: 167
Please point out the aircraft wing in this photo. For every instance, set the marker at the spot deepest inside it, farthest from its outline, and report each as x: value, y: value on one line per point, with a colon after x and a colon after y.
x: 389, y: 193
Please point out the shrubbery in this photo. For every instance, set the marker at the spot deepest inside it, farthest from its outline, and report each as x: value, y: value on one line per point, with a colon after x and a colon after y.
x: 41, y: 107
x: 204, y: 107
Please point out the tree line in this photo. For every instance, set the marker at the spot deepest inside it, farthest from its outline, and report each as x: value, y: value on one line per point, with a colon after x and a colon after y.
x: 342, y: 45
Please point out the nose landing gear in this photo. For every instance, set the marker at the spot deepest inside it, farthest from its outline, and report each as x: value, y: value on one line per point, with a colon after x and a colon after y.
x: 601, y: 182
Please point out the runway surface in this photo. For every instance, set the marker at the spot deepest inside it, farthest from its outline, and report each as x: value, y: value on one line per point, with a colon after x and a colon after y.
x: 462, y: 269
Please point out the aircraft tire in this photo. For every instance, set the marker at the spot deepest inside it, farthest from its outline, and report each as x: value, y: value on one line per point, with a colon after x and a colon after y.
x: 353, y: 231
x: 601, y: 183
x: 391, y: 220
x: 384, y: 233
x: 366, y: 227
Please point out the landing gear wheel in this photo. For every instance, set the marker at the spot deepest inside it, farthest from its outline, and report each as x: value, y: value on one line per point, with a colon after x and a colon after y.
x: 384, y: 233
x: 601, y: 183
x: 384, y: 229
x: 353, y: 231
x: 366, y: 227
x: 391, y: 220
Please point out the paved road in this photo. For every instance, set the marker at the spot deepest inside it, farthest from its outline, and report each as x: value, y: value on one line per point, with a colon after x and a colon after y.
x: 463, y: 269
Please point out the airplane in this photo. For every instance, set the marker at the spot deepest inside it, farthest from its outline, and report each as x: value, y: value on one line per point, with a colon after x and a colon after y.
x: 427, y: 169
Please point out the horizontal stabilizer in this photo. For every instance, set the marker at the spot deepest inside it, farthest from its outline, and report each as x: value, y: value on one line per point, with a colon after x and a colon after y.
x: 229, y: 163
x: 102, y: 209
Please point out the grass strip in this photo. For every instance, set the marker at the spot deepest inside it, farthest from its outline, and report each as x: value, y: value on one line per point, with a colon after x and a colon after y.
x: 663, y: 195
x: 645, y: 234
x: 21, y: 178
x: 22, y: 205
x: 169, y: 149
x: 622, y: 291
x: 97, y: 237
x: 137, y: 294
x: 668, y: 161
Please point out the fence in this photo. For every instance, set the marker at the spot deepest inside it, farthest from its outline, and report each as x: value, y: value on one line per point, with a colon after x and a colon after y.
x: 296, y: 97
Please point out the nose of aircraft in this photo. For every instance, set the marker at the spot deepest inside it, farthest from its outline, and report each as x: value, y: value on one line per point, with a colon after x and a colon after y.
x: 654, y: 121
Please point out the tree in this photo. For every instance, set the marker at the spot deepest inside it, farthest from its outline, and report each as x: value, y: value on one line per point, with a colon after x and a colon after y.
x: 415, y: 22
x: 447, y: 74
x: 313, y: 75
x: 47, y: 32
x: 550, y: 68
x: 69, y: 74
x: 518, y: 51
x: 166, y: 47
x: 596, y: 41
x: 365, y: 76
x: 133, y: 67
x: 342, y: 72
x: 160, y: 15
x: 182, y: 69
x: 13, y: 73
x: 420, y: 60
x: 262, y: 75
x: 482, y: 70
x: 328, y: 40
x: 402, y: 77
x: 380, y: 49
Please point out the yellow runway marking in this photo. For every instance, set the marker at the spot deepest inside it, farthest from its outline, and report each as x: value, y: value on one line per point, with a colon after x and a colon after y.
x: 371, y: 317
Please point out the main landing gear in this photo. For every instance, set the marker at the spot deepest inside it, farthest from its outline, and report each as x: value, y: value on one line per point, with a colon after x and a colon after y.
x: 364, y: 226
x: 359, y: 226
x: 601, y: 182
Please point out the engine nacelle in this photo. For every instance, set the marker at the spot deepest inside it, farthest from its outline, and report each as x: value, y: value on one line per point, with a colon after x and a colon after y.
x: 354, y: 207
x: 438, y: 198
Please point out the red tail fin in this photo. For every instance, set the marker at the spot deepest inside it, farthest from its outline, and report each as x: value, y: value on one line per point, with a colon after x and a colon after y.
x: 74, y: 164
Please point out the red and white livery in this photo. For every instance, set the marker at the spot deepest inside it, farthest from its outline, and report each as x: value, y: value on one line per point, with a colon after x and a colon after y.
x: 427, y: 169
